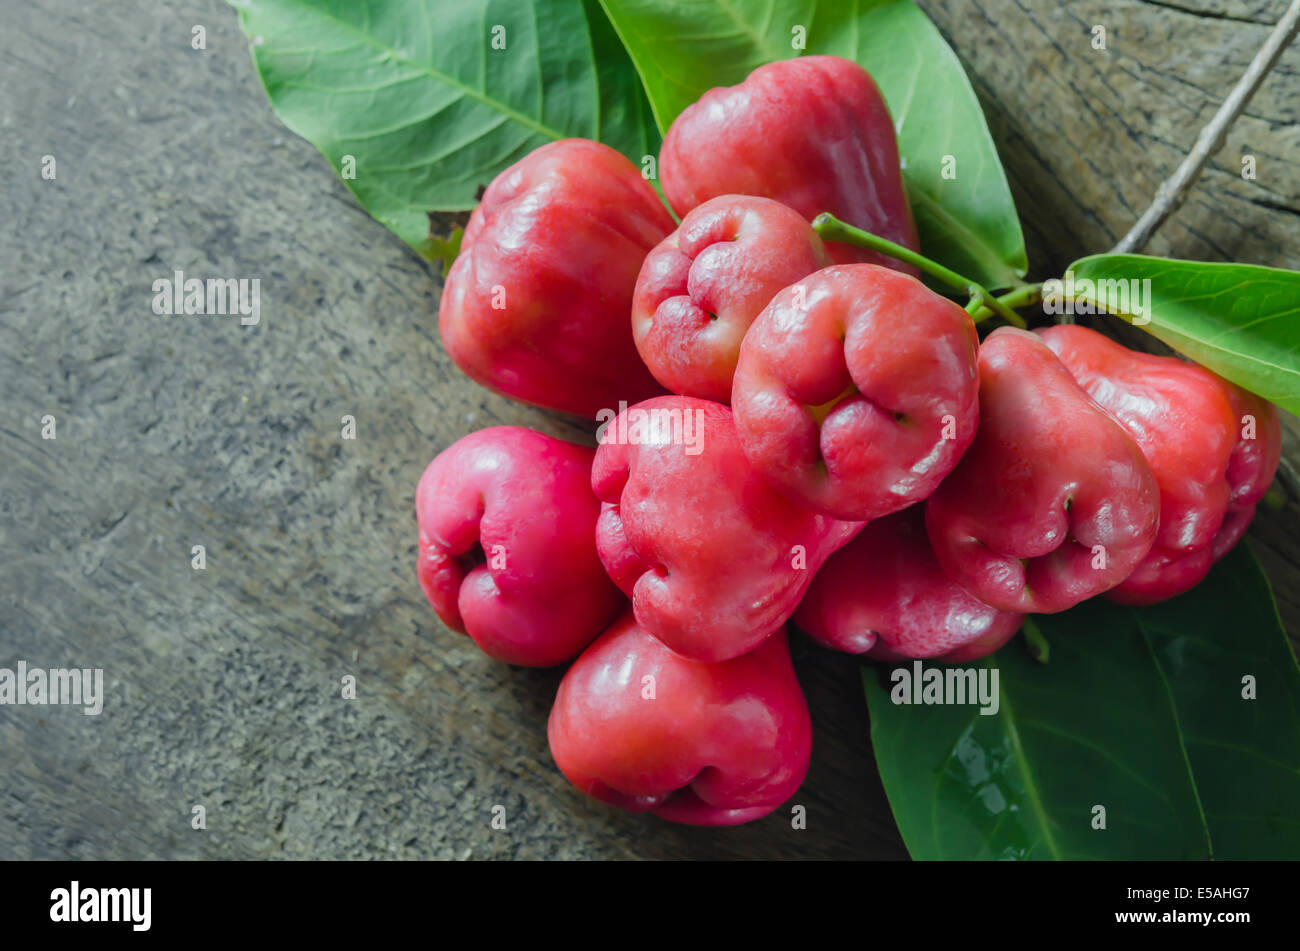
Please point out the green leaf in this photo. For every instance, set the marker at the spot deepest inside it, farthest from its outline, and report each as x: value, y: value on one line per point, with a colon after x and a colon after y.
x: 1240, y: 320
x: 968, y: 222
x: 428, y: 109
x: 1140, y: 710
x: 1245, y: 754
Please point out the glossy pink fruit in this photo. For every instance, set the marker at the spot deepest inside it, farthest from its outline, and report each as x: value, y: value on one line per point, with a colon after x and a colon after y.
x: 536, y: 305
x: 706, y: 282
x: 1054, y: 502
x: 884, y: 595
x: 714, y: 559
x: 813, y: 133
x: 857, y: 390
x: 1182, y: 418
x: 507, y: 545
x: 643, y: 728
x: 1251, y: 466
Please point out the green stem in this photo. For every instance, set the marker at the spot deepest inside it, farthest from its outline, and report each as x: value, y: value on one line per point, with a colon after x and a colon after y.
x: 832, y: 229
x: 1039, y: 649
x: 1026, y: 295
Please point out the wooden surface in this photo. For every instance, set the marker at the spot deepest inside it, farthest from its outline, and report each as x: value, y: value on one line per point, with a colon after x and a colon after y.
x: 224, y: 684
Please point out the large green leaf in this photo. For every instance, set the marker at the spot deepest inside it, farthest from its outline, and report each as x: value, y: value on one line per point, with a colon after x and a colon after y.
x: 415, y: 91
x: 968, y: 222
x: 1140, y: 710
x: 1240, y: 320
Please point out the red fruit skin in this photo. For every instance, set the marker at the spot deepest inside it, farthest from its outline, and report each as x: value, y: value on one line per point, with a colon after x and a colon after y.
x: 1254, y: 459
x: 700, y: 542
x: 824, y: 373
x: 702, y: 287
x: 545, y: 595
x: 813, y: 133
x: 561, y: 235
x: 884, y: 595
x: 719, y: 744
x: 1049, y: 475
x: 1252, y: 465
x: 1181, y: 417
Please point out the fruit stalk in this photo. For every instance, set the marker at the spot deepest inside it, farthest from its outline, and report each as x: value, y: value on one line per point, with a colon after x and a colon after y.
x: 832, y: 229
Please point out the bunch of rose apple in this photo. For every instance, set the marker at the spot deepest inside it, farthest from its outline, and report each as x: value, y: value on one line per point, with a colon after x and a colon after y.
x: 788, y: 428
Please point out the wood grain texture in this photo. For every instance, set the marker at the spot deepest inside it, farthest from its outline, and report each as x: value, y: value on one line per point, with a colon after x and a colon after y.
x: 224, y: 684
